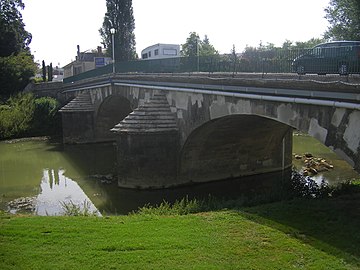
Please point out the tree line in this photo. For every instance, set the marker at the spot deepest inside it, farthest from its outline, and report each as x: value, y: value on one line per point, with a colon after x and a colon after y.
x: 17, y: 64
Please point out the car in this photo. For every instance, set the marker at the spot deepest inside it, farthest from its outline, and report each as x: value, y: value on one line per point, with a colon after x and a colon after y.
x: 337, y: 57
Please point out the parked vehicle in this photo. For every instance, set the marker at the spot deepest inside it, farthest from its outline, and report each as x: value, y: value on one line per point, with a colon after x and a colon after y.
x: 338, y: 57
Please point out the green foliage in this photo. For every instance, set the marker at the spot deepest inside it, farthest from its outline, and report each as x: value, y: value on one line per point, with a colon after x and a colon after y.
x: 305, y: 186
x: 196, y: 47
x: 23, y: 115
x: 50, y: 72
x: 207, y: 49
x: 16, y: 116
x: 299, y: 187
x: 16, y: 63
x: 303, y: 44
x: 191, y: 47
x: 184, y: 206
x: 43, y: 71
x: 296, y: 234
x: 15, y: 73
x: 344, y: 19
x: 75, y: 210
x: 46, y: 119
x: 13, y: 36
x: 120, y: 17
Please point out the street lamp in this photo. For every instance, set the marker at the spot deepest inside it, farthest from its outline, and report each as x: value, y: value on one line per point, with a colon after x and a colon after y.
x: 198, y: 54
x: 112, y: 31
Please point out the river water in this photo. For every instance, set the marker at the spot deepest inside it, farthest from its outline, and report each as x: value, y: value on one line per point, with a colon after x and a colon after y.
x: 47, y: 174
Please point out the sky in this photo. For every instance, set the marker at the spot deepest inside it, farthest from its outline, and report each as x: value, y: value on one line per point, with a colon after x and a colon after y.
x: 57, y: 27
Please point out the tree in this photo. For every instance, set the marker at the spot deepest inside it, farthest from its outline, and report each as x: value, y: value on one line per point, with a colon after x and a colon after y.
x: 15, y: 72
x: 13, y: 36
x: 43, y: 71
x: 16, y: 63
x: 302, y: 44
x: 206, y: 49
x: 50, y: 72
x: 120, y: 17
x: 308, y: 44
x: 344, y: 19
x: 191, y: 47
x: 194, y: 46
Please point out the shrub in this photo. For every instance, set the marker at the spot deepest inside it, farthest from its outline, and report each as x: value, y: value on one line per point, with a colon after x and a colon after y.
x: 16, y: 116
x: 45, y: 120
x: 305, y: 186
x: 72, y: 209
x: 24, y: 115
x: 15, y: 72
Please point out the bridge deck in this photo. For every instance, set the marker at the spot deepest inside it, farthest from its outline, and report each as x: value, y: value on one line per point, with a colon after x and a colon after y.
x: 290, y: 81
x: 330, y: 88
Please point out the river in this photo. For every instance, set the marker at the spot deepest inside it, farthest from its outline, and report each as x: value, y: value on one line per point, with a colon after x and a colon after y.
x: 47, y: 174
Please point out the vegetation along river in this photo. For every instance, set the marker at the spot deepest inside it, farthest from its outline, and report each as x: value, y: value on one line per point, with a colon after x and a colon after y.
x: 40, y: 175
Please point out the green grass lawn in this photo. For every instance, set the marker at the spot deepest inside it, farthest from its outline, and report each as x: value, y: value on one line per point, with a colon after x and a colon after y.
x: 296, y: 234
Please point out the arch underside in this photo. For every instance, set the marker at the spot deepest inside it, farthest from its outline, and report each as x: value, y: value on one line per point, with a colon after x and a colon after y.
x: 235, y: 146
x: 112, y: 111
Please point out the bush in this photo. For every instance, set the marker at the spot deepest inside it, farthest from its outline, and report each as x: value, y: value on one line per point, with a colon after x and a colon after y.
x: 16, y: 116
x: 15, y: 73
x: 24, y: 115
x: 45, y: 120
x: 75, y: 210
x: 305, y: 186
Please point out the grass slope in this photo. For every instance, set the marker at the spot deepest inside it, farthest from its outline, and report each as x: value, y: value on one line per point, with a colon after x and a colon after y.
x: 297, y: 234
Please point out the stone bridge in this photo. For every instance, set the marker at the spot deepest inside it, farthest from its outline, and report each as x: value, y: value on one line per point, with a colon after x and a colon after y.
x: 174, y: 130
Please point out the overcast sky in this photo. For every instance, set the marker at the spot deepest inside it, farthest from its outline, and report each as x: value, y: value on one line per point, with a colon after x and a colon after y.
x: 58, y: 26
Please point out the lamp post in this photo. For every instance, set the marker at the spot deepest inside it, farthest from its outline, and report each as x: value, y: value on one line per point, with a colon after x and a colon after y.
x: 112, y: 31
x: 198, y: 55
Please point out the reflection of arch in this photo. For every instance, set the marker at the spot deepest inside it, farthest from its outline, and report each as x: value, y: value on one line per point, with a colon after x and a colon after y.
x: 111, y: 111
x: 236, y: 145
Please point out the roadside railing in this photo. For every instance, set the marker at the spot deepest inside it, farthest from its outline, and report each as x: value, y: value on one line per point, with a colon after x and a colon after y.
x: 339, y: 60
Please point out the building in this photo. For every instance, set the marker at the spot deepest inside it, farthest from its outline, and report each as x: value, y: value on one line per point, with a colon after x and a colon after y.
x: 58, y: 74
x: 86, y: 61
x: 159, y: 51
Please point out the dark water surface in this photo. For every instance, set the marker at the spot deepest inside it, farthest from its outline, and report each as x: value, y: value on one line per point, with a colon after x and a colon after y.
x: 48, y: 174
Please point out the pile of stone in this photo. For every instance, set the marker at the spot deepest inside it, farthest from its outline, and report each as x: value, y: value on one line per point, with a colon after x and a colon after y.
x: 313, y: 165
x: 23, y: 204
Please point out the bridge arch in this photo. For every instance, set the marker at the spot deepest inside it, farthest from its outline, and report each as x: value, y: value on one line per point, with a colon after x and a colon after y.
x: 335, y: 127
x: 235, y: 146
x: 110, y: 112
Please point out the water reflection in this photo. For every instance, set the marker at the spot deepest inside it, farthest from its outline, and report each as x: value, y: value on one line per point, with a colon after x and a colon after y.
x: 51, y: 174
x: 57, y: 189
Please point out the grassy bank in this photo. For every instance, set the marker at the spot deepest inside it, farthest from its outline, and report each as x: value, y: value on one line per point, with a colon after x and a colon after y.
x: 296, y: 234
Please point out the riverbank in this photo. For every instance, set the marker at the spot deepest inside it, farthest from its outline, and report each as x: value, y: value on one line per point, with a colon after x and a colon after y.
x: 295, y: 234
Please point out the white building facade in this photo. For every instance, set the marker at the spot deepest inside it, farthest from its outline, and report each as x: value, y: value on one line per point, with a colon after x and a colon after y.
x: 159, y: 51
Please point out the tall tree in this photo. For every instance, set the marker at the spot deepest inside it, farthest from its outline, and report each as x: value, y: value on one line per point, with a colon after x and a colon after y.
x: 344, y: 19
x: 16, y: 63
x: 120, y: 17
x: 13, y: 36
x: 194, y: 46
x: 207, y: 49
x: 191, y: 46
x: 43, y: 71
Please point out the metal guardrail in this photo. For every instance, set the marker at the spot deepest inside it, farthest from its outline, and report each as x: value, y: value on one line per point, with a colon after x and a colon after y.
x: 334, y: 60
